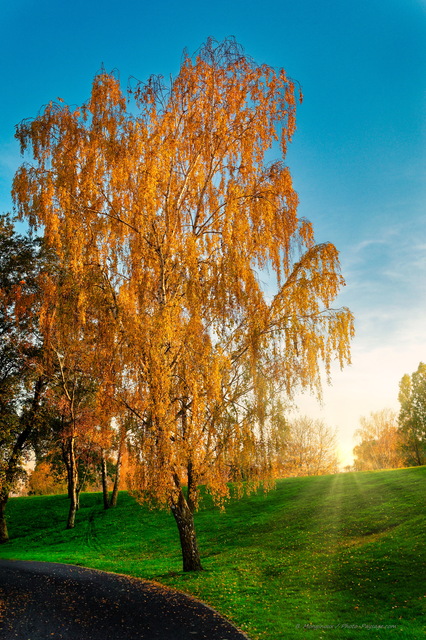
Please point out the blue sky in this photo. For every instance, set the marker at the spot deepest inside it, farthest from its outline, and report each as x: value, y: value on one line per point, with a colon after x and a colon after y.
x: 358, y: 158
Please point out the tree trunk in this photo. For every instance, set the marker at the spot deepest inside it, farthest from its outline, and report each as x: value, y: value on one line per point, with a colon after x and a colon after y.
x: 72, y: 510
x: 4, y: 535
x: 104, y: 480
x: 114, y: 496
x: 65, y: 458
x: 73, y: 492
x: 185, y: 524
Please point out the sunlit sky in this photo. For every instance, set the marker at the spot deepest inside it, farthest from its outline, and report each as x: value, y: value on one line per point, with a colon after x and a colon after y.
x: 358, y: 158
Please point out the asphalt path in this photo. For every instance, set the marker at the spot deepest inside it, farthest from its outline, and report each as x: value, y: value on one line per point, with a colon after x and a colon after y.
x: 43, y: 601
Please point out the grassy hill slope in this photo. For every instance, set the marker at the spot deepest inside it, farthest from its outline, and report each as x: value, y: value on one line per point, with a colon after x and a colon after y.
x: 339, y: 556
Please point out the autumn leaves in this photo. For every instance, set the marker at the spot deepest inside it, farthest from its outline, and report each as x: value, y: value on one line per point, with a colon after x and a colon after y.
x: 161, y: 209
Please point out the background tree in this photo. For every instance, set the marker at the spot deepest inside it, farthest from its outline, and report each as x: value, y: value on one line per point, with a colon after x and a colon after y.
x: 78, y: 436
x: 22, y: 380
x: 379, y: 442
x: 43, y: 480
x: 412, y: 417
x: 164, y: 219
x: 308, y: 448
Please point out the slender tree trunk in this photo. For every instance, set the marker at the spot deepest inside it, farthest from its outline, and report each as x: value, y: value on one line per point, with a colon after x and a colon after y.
x: 73, y: 492
x: 185, y: 523
x: 72, y: 510
x: 114, y: 496
x: 65, y: 458
x: 104, y: 480
x: 192, y: 493
x: 4, y: 535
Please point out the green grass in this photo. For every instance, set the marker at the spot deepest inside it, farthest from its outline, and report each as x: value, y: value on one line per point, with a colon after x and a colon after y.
x: 339, y: 557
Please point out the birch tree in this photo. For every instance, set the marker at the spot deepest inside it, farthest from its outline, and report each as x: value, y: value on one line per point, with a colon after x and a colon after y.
x: 309, y: 448
x: 167, y: 216
x: 379, y: 442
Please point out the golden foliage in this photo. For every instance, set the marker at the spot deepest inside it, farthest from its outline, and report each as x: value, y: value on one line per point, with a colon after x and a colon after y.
x: 307, y: 448
x: 379, y: 442
x: 43, y: 481
x: 164, y: 214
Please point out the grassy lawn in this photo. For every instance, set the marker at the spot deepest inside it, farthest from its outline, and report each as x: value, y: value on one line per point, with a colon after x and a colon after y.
x: 339, y: 556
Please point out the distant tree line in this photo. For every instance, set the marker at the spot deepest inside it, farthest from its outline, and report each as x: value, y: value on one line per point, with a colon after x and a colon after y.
x: 390, y: 440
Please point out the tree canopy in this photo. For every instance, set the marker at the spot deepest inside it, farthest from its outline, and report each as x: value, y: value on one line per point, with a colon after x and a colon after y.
x: 412, y: 416
x: 379, y: 442
x: 308, y: 448
x: 22, y: 380
x: 166, y: 215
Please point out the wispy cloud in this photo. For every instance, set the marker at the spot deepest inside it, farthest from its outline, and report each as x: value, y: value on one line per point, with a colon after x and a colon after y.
x: 386, y: 290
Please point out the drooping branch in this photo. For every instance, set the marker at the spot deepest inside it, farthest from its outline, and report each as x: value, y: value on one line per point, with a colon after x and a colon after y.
x: 161, y: 219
